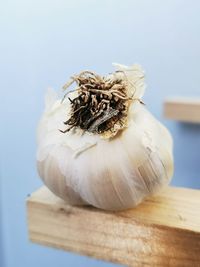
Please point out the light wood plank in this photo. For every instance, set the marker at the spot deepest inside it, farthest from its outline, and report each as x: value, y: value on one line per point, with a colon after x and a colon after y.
x: 183, y: 109
x: 162, y: 231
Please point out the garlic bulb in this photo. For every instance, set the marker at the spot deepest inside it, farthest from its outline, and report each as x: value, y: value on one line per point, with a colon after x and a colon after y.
x: 111, y: 152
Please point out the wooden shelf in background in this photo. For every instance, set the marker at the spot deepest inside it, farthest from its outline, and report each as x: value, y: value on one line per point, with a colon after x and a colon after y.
x: 162, y: 231
x: 183, y: 109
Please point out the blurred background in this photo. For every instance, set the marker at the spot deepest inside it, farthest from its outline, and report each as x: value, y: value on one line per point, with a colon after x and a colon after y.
x: 42, y: 44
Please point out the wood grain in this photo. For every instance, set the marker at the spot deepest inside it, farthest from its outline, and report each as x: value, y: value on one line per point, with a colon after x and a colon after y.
x: 162, y: 231
x: 183, y: 109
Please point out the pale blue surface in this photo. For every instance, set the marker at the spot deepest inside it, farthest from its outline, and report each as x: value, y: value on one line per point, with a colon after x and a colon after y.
x: 42, y: 44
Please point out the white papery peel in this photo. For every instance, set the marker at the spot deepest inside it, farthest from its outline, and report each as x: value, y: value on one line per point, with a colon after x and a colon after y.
x: 114, y: 173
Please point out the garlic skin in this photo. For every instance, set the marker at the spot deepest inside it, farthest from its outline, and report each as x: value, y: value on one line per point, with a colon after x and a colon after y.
x: 109, y: 173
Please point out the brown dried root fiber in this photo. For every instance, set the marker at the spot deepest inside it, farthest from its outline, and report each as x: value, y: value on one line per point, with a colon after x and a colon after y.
x: 100, y: 106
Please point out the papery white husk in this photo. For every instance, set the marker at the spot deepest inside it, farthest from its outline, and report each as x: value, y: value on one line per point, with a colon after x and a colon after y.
x: 112, y: 174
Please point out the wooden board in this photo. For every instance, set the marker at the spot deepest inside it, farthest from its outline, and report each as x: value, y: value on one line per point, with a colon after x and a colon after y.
x: 162, y: 231
x: 183, y: 109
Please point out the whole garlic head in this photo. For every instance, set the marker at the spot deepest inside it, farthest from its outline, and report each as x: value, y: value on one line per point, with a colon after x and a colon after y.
x: 113, y: 166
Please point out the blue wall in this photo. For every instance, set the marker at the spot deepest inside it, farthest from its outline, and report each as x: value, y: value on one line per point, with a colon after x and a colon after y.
x: 42, y: 44
x: 1, y: 230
